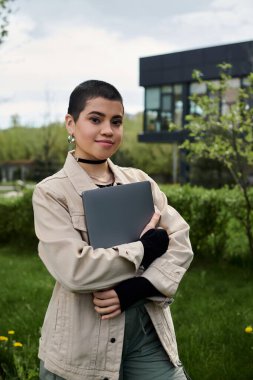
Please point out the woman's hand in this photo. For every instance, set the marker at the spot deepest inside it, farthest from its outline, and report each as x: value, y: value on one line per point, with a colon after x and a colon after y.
x: 107, y: 303
x: 155, y: 241
x: 152, y: 223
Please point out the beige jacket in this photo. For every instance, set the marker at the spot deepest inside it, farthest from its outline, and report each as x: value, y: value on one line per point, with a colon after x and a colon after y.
x: 75, y: 343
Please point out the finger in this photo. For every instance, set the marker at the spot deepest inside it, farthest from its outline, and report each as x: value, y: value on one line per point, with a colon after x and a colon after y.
x: 104, y: 294
x: 105, y: 302
x: 152, y: 223
x: 155, y: 219
x: 107, y: 310
x: 111, y: 315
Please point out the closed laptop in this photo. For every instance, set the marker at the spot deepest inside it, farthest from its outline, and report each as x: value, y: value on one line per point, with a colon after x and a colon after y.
x: 117, y: 214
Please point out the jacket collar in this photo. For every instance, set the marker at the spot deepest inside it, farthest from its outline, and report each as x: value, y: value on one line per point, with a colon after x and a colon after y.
x: 80, y: 178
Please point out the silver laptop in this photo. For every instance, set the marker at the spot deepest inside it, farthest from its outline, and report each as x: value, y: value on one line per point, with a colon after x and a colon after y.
x: 117, y: 214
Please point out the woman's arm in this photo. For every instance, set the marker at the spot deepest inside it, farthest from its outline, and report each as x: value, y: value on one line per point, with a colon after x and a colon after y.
x: 110, y: 303
x: 69, y: 259
x: 75, y: 264
x: 166, y: 272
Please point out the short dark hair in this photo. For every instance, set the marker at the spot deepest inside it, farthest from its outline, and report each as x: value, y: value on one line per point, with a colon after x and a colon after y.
x: 91, y: 89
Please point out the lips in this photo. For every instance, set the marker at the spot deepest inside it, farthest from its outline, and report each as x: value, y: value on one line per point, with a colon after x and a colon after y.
x: 105, y: 142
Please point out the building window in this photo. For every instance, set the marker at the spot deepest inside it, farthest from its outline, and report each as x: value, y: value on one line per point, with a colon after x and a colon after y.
x: 198, y: 89
x: 166, y: 102
x: 163, y: 105
x: 244, y: 84
x: 231, y: 95
x: 227, y: 99
x: 178, y: 105
x: 152, y: 121
x: 153, y: 98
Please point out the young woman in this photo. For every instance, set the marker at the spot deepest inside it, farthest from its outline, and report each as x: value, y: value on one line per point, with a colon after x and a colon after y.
x: 109, y: 315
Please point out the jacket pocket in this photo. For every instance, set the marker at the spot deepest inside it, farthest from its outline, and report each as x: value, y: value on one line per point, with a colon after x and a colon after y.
x: 60, y: 333
x: 78, y: 221
x: 162, y: 320
x: 170, y: 334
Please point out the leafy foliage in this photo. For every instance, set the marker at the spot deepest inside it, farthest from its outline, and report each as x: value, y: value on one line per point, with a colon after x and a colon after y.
x: 48, y: 146
x: 215, y: 217
x: 45, y: 143
x: 154, y: 159
x: 226, y: 137
x: 17, y: 224
x: 5, y: 11
x: 17, y: 360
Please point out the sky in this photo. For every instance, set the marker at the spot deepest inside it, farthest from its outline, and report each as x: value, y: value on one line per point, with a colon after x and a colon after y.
x: 53, y: 45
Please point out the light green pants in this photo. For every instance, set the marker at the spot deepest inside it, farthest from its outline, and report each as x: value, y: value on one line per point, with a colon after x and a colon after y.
x: 143, y: 357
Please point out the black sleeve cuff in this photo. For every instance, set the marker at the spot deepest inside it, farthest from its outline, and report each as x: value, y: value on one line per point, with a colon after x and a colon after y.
x: 133, y: 290
x: 155, y: 243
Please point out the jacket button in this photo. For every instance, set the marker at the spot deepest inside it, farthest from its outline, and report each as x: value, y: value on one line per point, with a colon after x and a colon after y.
x: 113, y: 340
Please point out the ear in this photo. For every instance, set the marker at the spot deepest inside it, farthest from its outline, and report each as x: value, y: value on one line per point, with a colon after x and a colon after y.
x: 70, y: 124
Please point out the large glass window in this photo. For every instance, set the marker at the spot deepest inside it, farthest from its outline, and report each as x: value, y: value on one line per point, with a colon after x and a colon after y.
x: 227, y: 100
x: 230, y: 95
x: 178, y: 105
x: 166, y: 118
x: 153, y: 98
x: 166, y: 114
x: 167, y: 89
x: 198, y: 89
x: 249, y: 101
x: 163, y: 105
x: 152, y: 121
x: 166, y: 102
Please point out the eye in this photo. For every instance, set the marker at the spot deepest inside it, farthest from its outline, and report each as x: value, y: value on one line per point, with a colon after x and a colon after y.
x: 95, y: 120
x: 117, y: 122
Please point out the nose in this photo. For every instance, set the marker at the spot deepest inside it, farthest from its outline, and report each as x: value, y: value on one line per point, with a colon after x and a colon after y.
x: 106, y: 129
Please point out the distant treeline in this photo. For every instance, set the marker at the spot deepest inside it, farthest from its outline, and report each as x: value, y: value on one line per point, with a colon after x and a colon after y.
x: 47, y: 147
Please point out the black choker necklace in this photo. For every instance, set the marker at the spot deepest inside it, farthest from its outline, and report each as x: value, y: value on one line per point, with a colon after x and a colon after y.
x: 93, y: 162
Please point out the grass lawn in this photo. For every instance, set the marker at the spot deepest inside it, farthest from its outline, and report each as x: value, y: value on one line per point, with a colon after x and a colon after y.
x: 24, y: 294
x: 212, y: 307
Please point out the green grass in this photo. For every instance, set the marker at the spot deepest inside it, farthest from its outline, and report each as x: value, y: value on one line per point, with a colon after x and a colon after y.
x: 212, y: 307
x: 24, y: 294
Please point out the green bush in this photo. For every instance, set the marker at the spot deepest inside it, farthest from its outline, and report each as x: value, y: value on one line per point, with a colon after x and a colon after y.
x: 215, y: 218
x: 16, y: 222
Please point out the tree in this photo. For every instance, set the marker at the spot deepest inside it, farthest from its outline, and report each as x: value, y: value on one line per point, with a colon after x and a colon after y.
x: 48, y: 146
x: 5, y: 11
x: 223, y: 131
x: 154, y: 158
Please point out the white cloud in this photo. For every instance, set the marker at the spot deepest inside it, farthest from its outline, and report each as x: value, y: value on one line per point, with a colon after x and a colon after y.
x: 231, y: 4
x: 55, y: 63
x: 222, y: 22
x: 44, y: 57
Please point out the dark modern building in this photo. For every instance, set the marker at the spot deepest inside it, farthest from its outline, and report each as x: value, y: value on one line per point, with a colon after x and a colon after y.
x: 167, y: 80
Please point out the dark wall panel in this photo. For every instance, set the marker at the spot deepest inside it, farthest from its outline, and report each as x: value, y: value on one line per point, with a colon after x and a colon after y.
x: 178, y: 67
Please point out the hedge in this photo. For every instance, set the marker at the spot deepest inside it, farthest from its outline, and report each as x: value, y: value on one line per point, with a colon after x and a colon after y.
x: 215, y: 219
x: 16, y: 221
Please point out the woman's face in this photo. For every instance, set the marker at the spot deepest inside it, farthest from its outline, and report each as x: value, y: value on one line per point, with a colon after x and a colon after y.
x: 99, y: 129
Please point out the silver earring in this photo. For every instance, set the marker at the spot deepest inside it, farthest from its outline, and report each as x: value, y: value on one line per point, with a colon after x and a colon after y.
x: 71, y: 139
